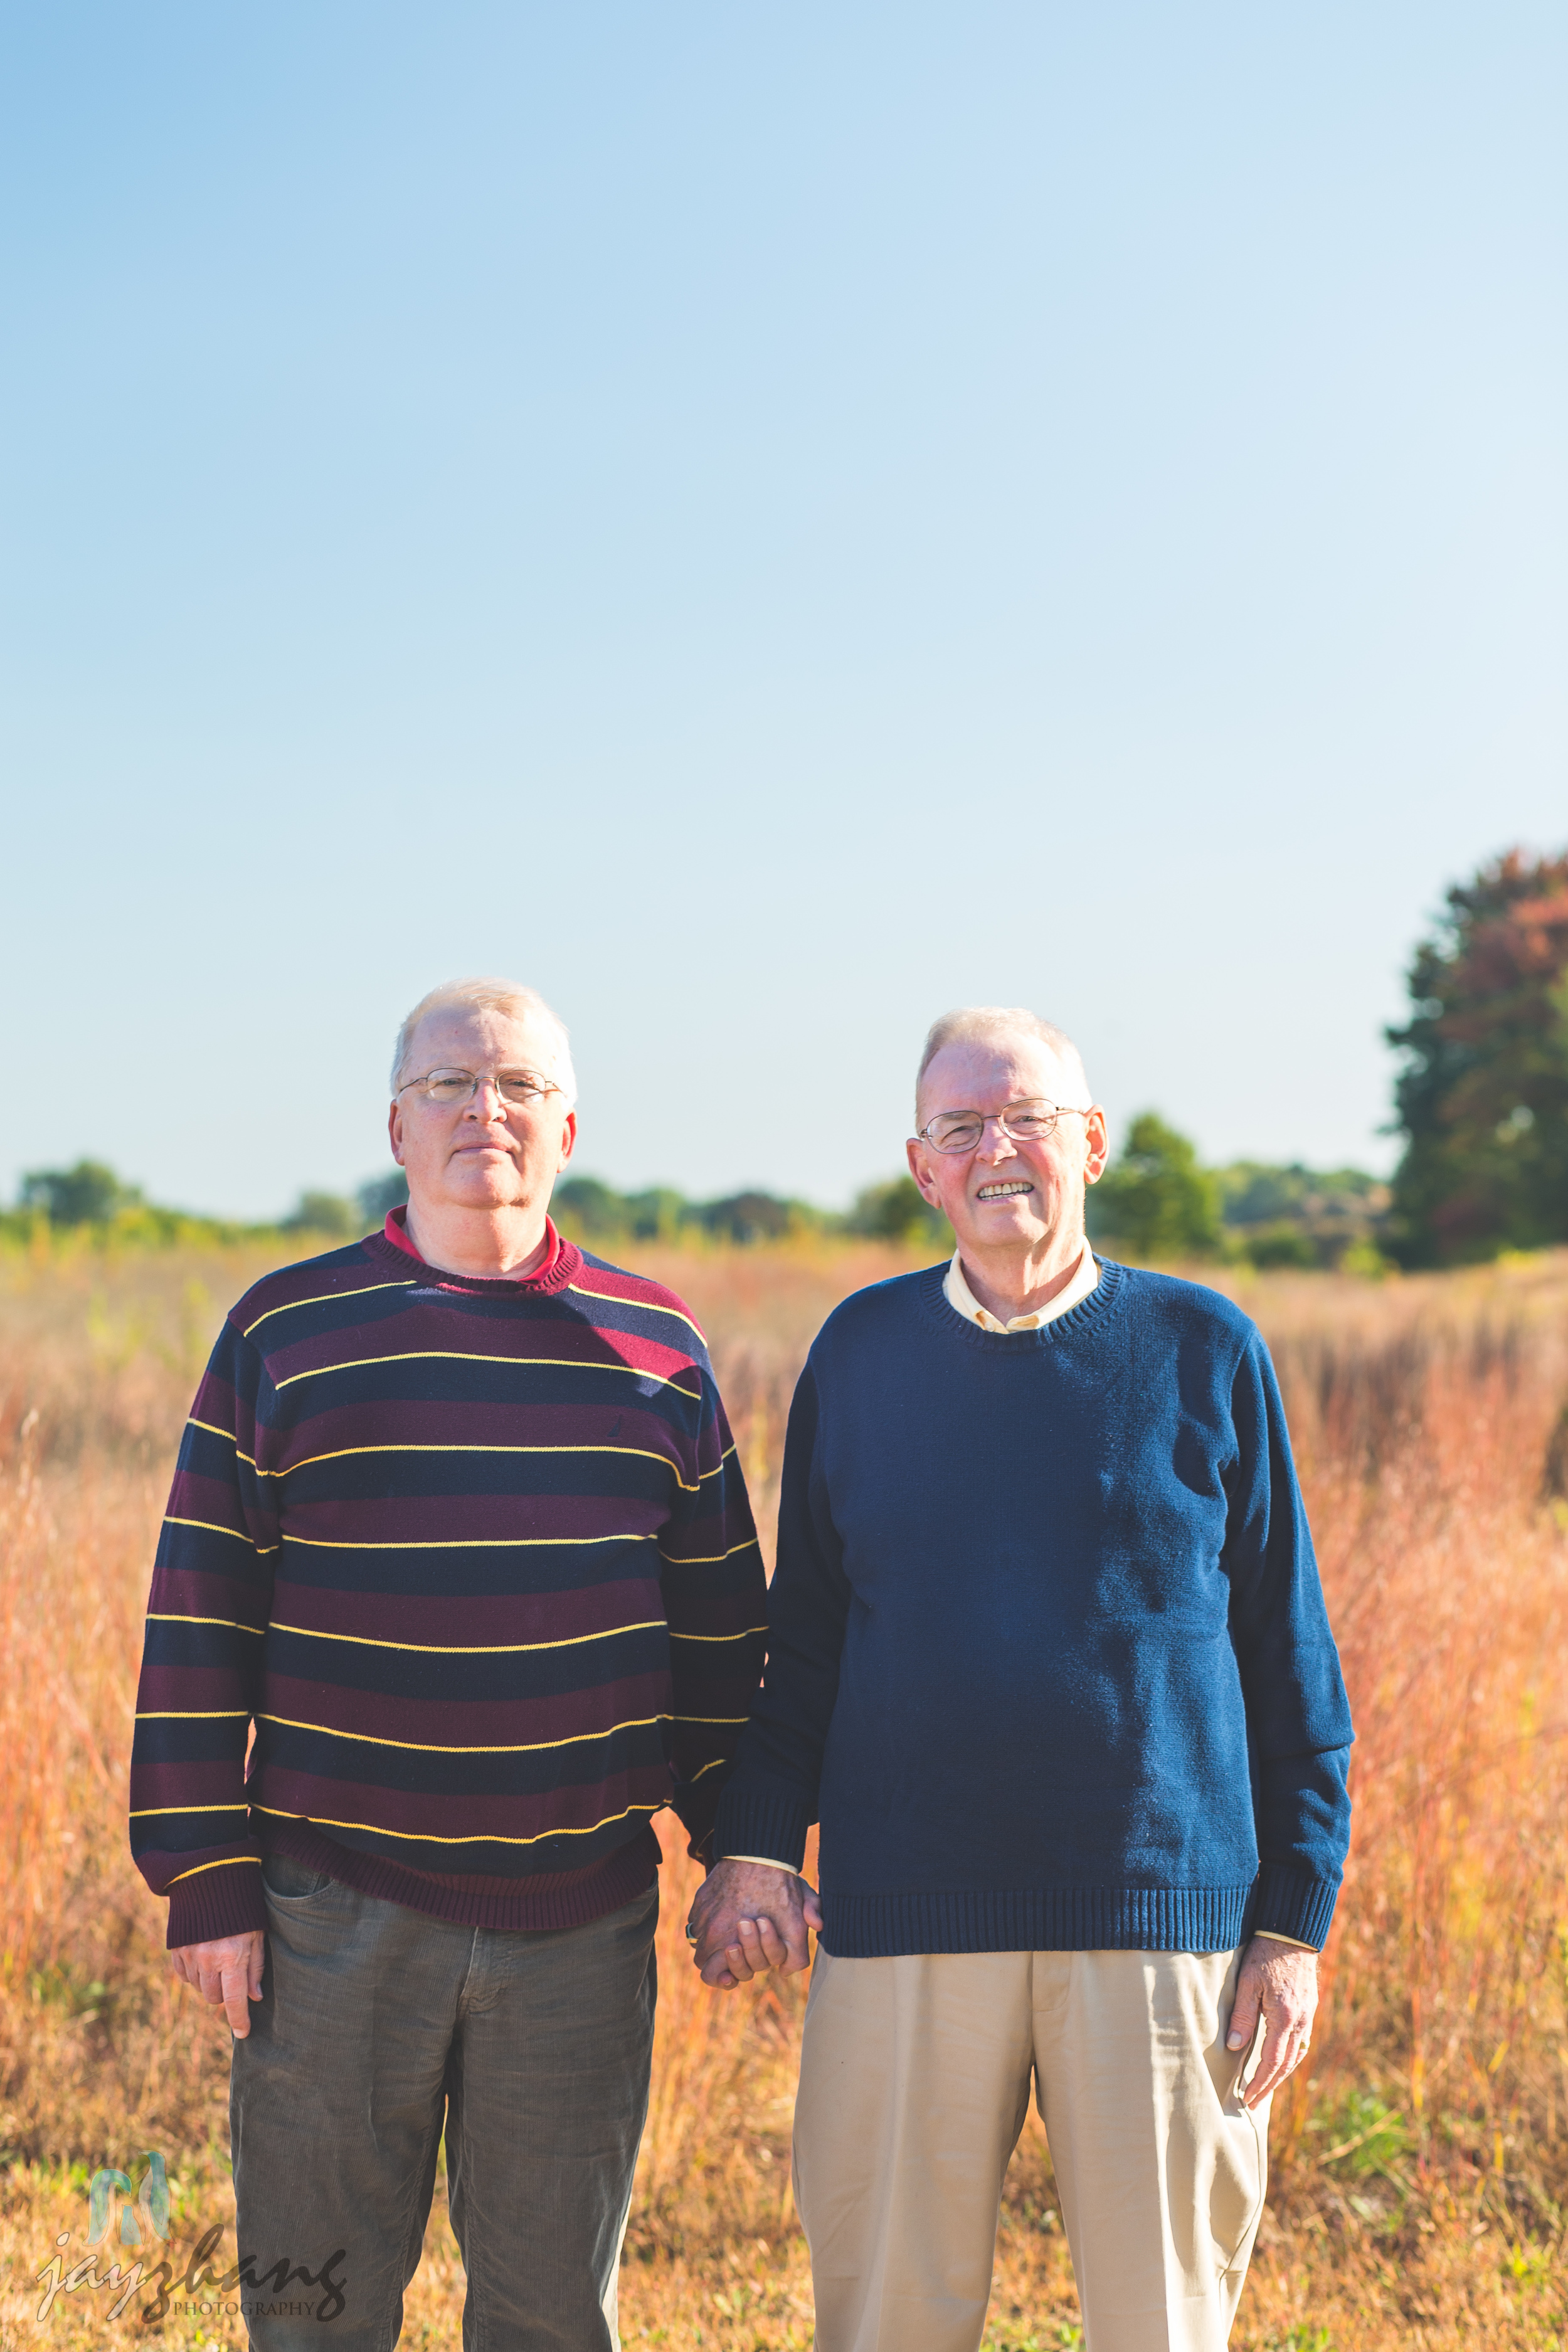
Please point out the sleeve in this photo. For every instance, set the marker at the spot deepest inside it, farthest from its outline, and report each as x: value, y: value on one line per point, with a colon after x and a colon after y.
x: 1297, y: 1716
x: 770, y: 1798
x: 201, y: 1664
x: 716, y: 1606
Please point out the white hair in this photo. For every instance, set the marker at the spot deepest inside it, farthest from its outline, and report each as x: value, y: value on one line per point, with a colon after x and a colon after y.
x: 989, y: 1023
x: 494, y: 996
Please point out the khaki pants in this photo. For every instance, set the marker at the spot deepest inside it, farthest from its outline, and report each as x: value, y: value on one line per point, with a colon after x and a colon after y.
x: 914, y: 2085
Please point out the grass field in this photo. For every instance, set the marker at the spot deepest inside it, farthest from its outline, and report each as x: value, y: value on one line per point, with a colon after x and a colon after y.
x: 1420, y: 2170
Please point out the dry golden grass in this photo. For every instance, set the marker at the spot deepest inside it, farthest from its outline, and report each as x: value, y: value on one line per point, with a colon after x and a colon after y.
x: 1420, y: 2172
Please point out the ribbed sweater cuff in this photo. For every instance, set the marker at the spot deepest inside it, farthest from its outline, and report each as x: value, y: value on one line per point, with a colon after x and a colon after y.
x: 760, y: 1821
x: 1294, y: 1904
x: 228, y: 1901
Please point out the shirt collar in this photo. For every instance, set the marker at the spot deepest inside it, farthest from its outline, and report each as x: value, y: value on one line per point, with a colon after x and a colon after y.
x: 960, y: 1296
x: 396, y: 1231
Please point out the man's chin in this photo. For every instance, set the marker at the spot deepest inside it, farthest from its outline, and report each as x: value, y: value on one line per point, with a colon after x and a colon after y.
x: 1018, y: 1220
x: 481, y: 1187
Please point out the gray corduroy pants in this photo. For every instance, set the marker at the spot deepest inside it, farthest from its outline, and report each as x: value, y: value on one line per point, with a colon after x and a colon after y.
x: 380, y: 2030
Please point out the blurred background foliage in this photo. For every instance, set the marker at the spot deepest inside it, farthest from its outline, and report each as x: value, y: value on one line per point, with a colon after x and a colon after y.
x: 1482, y: 1094
x: 1480, y: 1098
x: 1156, y: 1203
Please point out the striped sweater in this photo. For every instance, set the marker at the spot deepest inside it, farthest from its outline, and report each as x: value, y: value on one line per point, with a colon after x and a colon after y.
x: 474, y: 1561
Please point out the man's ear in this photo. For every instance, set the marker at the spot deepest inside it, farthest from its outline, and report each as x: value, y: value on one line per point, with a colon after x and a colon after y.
x: 912, y: 1151
x: 394, y: 1131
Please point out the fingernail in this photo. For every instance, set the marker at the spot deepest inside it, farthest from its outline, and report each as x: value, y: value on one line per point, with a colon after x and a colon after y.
x: 1233, y: 2041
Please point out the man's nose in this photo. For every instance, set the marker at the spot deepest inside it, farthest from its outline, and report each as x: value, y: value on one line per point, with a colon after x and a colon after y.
x: 487, y: 1102
x: 994, y: 1144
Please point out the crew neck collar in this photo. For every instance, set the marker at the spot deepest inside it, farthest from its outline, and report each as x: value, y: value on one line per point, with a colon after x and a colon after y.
x: 561, y: 1260
x: 958, y: 1294
x: 1095, y: 1308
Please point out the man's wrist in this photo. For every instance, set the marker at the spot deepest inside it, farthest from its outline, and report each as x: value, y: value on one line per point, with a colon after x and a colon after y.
x: 1274, y: 1936
x: 763, y: 1861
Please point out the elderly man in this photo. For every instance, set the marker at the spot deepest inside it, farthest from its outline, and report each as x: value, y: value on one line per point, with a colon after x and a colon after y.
x: 458, y: 1537
x: 1048, y: 1659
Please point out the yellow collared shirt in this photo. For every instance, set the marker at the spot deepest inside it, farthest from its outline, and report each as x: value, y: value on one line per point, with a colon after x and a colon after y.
x: 959, y: 1296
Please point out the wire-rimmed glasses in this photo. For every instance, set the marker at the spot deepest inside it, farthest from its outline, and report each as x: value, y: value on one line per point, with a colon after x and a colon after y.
x: 1029, y: 1121
x: 517, y: 1088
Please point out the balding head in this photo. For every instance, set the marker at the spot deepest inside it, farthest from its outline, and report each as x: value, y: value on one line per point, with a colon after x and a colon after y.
x: 554, y: 1050
x: 995, y: 1025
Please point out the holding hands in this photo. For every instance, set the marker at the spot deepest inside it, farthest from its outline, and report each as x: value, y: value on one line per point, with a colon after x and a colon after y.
x: 748, y: 1917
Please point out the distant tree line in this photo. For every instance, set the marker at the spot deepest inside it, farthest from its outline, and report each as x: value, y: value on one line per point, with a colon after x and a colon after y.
x: 93, y: 1196
x: 592, y: 1212
x: 1158, y: 1204
x: 1481, y: 1101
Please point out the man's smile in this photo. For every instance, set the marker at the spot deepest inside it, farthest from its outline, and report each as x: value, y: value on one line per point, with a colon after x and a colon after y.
x: 1004, y: 1191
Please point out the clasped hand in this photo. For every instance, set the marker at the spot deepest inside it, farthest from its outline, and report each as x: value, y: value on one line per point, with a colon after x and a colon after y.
x: 748, y: 1917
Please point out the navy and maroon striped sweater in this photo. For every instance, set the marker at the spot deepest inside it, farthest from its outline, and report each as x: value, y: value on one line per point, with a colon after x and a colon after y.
x: 476, y: 1561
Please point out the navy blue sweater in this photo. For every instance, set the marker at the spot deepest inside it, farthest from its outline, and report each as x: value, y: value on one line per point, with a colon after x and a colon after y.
x: 1048, y: 1651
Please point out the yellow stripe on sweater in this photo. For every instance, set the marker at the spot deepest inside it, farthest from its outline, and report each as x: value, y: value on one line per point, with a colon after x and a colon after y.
x: 466, y: 1543
x: 321, y: 1299
x: 469, y: 1649
x: 442, y: 1748
x: 743, y: 1635
x: 642, y: 1305
x: 147, y: 1813
x: 342, y: 1453
x: 417, y: 1837
x: 211, y: 1527
x: 475, y: 1356
x: 705, y: 1558
x: 175, y: 1617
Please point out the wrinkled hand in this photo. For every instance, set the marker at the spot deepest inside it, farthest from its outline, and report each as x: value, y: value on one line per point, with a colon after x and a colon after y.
x: 749, y: 1919
x: 1280, y: 1982
x: 227, y: 1973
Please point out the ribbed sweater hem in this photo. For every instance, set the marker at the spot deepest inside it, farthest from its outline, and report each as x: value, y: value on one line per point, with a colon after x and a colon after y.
x: 561, y: 1899
x: 1037, y: 1919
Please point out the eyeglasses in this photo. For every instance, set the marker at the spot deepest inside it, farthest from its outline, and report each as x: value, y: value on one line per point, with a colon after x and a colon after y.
x: 1022, y: 1122
x: 515, y: 1087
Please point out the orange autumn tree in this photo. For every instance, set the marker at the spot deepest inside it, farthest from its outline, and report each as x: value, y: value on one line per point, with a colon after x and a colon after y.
x: 1483, y: 1096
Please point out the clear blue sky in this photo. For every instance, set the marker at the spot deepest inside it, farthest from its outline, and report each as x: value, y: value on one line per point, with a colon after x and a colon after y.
x: 764, y: 523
